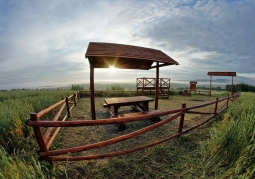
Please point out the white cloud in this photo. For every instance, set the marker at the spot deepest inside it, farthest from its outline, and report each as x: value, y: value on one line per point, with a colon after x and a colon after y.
x: 51, y: 38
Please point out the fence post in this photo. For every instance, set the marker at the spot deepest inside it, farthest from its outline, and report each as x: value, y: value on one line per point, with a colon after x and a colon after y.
x: 216, y: 106
x: 227, y: 102
x: 67, y: 107
x: 181, y: 122
x: 38, y: 134
x: 74, y: 98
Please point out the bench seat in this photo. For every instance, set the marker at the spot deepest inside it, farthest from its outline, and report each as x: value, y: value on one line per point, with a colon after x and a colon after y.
x: 105, y: 105
x: 154, y: 119
x: 135, y: 114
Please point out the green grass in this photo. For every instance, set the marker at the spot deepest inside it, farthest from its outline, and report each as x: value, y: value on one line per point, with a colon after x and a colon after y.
x: 15, y: 167
x: 230, y: 150
x: 220, y: 149
x: 17, y: 145
x: 15, y: 107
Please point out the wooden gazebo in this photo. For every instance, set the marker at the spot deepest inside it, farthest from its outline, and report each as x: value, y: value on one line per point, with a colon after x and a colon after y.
x: 105, y: 55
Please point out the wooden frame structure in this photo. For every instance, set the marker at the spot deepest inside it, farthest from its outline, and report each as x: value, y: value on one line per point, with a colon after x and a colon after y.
x: 105, y: 55
x: 221, y: 74
x: 150, y: 84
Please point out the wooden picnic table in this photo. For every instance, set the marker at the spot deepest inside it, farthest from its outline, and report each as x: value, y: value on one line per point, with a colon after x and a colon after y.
x: 140, y: 103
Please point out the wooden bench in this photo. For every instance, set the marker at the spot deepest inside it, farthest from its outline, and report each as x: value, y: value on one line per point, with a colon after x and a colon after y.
x: 122, y: 126
x: 203, y: 91
x: 186, y: 93
x: 105, y: 105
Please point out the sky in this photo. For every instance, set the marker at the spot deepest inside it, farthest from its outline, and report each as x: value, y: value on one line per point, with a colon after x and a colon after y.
x: 43, y: 43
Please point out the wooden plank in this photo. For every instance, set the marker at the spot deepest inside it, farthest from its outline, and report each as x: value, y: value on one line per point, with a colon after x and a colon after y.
x: 221, y: 73
x: 135, y: 114
x: 105, y: 105
x: 125, y: 101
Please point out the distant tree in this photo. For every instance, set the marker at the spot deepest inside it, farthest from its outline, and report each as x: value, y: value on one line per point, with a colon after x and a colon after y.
x: 218, y: 88
x: 202, y: 87
x: 251, y: 88
x: 77, y: 87
x: 115, y: 88
x: 241, y: 87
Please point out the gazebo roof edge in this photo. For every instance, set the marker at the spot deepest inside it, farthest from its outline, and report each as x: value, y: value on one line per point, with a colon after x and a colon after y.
x: 98, y: 50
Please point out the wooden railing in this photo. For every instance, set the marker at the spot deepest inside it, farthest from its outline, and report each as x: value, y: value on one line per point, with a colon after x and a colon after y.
x: 44, y: 141
x: 102, y: 93
x: 119, y: 93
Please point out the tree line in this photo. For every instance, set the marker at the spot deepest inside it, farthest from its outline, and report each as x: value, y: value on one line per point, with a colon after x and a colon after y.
x: 242, y: 87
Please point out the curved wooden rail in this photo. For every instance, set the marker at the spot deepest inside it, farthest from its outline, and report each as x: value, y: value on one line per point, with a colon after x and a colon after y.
x: 110, y: 141
x: 46, y: 141
x: 98, y: 156
x: 116, y: 120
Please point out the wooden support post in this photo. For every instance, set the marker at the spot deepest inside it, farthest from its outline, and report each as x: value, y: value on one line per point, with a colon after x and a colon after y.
x: 67, y: 107
x: 181, y: 122
x: 210, y: 85
x: 227, y: 101
x: 78, y: 95
x: 92, y: 92
x: 232, y: 87
x: 38, y: 134
x: 156, y: 86
x: 74, y: 98
x: 216, y: 106
x: 143, y: 88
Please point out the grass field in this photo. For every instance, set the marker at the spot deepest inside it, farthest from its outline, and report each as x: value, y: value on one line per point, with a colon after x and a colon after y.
x: 220, y: 149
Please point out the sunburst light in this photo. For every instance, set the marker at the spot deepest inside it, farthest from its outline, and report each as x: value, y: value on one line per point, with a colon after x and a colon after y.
x: 112, y: 69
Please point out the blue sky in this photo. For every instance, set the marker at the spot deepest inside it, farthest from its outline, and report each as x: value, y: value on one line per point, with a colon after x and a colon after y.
x: 43, y: 43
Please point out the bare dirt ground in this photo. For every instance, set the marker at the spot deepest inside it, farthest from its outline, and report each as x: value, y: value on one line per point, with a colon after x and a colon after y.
x: 78, y: 136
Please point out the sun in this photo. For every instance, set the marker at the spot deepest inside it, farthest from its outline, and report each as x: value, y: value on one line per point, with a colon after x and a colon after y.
x: 112, y: 69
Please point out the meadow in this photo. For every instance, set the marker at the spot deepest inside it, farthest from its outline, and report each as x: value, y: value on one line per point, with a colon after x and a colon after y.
x: 223, y: 148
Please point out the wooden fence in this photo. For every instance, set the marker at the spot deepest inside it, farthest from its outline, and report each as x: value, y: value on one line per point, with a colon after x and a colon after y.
x: 45, y: 141
x: 102, y: 93
x: 118, y: 93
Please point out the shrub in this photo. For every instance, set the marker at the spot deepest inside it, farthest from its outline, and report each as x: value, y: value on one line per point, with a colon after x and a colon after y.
x: 180, y: 92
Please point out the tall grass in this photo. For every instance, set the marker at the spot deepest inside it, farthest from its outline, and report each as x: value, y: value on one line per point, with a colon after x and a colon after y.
x: 15, y: 107
x: 230, y: 152
x: 13, y: 167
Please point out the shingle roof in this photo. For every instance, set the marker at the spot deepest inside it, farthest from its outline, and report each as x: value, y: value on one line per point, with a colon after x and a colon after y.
x: 103, y: 55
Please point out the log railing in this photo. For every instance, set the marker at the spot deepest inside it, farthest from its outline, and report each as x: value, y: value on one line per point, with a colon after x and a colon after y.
x: 102, y: 93
x: 45, y: 141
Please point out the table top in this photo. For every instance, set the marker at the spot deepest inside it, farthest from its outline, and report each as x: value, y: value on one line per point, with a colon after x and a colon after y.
x: 127, y: 100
